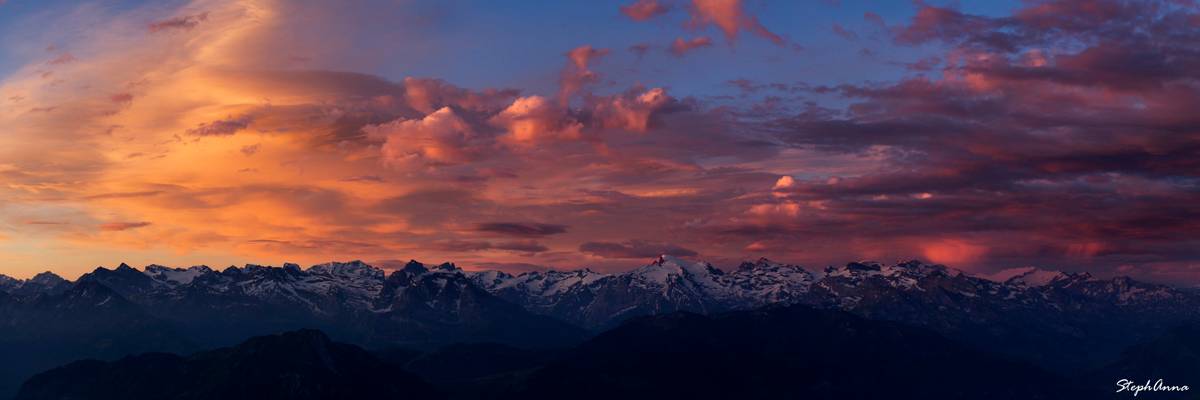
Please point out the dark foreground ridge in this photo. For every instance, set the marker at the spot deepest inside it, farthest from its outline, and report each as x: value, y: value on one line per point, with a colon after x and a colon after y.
x: 296, y: 365
x: 774, y: 352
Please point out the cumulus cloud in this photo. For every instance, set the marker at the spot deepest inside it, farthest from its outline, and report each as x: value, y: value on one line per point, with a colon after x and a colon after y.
x: 633, y: 110
x: 532, y: 119
x: 440, y: 138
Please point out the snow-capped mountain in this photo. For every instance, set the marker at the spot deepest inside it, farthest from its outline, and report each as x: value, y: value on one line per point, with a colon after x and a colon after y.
x: 593, y: 300
x: 765, y: 282
x: 441, y: 304
x: 415, y: 306
x: 1031, y: 311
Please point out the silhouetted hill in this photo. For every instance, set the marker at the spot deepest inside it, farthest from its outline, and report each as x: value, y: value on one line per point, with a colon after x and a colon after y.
x: 782, y: 352
x: 1174, y: 357
x: 86, y: 321
x: 297, y: 365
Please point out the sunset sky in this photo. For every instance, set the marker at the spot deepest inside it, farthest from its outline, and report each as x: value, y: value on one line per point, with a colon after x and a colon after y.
x: 566, y: 134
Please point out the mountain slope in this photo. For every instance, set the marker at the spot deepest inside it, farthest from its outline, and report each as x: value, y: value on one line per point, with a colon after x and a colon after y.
x: 599, y: 301
x: 295, y: 365
x: 87, y: 321
x: 424, y: 306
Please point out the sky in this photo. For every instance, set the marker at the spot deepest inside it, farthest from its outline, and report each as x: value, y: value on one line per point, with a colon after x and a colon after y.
x: 552, y: 134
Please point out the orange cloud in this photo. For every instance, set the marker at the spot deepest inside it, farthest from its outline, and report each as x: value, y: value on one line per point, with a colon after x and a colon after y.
x: 440, y: 138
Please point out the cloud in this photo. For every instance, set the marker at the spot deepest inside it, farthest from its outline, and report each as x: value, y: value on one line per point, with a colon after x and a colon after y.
x: 844, y: 33
x: 64, y: 58
x: 524, y: 246
x: 642, y: 10
x: 634, y: 249
x: 784, y: 182
x: 640, y: 50
x: 680, y: 47
x: 250, y: 150
x: 730, y: 17
x: 459, y: 246
x: 224, y: 127
x: 122, y: 226
x: 521, y: 229
x: 440, y: 138
x: 428, y: 95
x: 633, y: 110
x: 578, y: 73
x: 533, y: 119
x: 185, y: 22
x: 121, y: 98
x: 1048, y: 136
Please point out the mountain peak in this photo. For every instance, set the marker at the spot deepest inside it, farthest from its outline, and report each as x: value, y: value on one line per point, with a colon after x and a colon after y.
x: 47, y: 278
x: 176, y: 276
x: 1028, y: 276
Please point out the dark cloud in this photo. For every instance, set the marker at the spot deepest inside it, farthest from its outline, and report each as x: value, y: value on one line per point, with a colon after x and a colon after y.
x: 225, y: 127
x: 1055, y: 135
x: 185, y: 22
x: 844, y: 32
x: 522, y: 229
x: 122, y: 226
x: 459, y: 246
x: 680, y: 46
x: 634, y: 249
x: 523, y: 246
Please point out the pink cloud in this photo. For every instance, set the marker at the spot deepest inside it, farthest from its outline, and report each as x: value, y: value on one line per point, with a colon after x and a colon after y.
x: 632, y: 110
x: 440, y: 138
x: 65, y: 58
x: 642, y: 10
x: 730, y: 17
x: 679, y: 47
x: 577, y: 73
x: 531, y: 119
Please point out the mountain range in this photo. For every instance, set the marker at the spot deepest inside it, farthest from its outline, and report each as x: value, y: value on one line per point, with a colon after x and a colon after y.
x: 1056, y: 321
